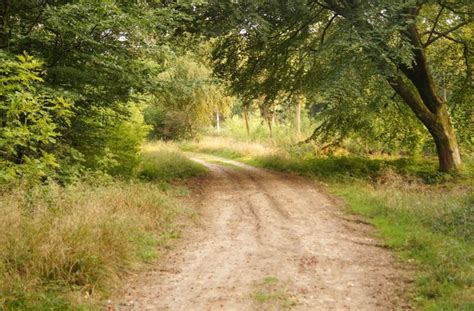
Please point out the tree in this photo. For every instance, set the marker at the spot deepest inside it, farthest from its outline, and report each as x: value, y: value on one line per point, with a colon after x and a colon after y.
x: 296, y: 45
x: 31, y: 120
x: 188, y: 99
x: 97, y: 55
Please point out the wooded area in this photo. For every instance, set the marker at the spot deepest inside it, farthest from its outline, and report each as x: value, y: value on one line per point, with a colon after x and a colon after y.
x: 85, y: 84
x: 77, y: 77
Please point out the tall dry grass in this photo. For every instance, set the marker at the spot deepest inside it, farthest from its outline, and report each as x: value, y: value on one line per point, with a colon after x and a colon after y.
x: 164, y: 162
x: 61, y: 247
x: 230, y: 147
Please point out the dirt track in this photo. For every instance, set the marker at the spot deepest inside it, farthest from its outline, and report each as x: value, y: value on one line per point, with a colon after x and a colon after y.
x: 269, y: 241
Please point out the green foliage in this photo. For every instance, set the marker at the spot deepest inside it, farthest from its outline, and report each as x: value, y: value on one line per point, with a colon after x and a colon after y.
x: 354, y: 58
x: 91, y: 50
x: 188, y: 100
x: 99, y: 56
x: 32, y: 120
x: 356, y: 115
x: 123, y: 141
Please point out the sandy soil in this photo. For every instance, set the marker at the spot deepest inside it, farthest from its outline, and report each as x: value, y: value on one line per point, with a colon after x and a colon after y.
x: 268, y: 241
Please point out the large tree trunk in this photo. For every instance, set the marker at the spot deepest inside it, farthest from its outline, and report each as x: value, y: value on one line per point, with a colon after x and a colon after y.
x: 446, y: 144
x: 425, y: 102
x: 438, y: 124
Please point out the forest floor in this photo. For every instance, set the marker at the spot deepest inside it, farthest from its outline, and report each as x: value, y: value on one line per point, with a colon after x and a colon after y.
x: 268, y: 241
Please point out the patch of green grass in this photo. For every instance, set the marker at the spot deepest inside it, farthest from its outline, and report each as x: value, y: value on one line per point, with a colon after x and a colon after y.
x: 330, y: 168
x: 337, y: 168
x: 223, y: 151
x: 433, y: 228
x: 426, y: 216
x: 271, y: 293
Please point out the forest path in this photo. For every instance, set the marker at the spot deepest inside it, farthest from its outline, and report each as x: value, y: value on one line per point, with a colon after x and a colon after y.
x: 269, y: 241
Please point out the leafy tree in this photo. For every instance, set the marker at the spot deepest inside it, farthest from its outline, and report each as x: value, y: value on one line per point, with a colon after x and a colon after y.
x: 187, y: 99
x: 300, y: 45
x: 31, y: 120
x: 353, y: 111
x: 98, y: 54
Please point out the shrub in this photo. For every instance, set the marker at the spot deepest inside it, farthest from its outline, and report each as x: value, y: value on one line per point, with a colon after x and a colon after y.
x: 31, y: 120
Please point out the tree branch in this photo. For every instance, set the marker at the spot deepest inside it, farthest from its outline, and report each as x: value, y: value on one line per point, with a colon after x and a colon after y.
x: 450, y: 8
x: 327, y: 27
x: 305, y: 24
x: 414, y: 102
x: 445, y: 33
x: 435, y: 23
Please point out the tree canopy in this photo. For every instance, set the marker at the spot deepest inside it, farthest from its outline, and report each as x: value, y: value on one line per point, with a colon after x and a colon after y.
x: 77, y: 76
x: 84, y: 82
x: 351, y: 49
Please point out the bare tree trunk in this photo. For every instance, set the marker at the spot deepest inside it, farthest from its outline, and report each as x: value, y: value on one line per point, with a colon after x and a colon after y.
x: 246, y: 118
x: 269, y: 122
x: 218, y: 122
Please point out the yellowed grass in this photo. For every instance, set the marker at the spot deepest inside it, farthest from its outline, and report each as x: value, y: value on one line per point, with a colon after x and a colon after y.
x: 59, y: 245
x: 253, y: 149
x: 159, y: 146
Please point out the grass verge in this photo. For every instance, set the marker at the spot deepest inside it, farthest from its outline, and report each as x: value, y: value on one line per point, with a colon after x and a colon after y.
x: 425, y: 216
x: 65, y: 248
x: 164, y: 162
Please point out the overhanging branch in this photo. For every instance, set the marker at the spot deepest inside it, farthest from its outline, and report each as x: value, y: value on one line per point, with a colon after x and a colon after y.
x: 445, y: 33
x: 435, y: 23
x: 327, y: 27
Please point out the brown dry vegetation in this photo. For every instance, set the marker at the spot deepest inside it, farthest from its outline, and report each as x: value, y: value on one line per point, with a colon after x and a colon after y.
x: 66, y: 247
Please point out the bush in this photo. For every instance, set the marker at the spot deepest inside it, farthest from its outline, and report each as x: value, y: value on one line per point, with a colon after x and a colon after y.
x: 31, y: 121
x: 110, y: 141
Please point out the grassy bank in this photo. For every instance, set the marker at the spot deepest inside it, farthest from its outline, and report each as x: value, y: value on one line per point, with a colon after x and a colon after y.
x: 65, y: 248
x: 164, y: 162
x: 425, y: 216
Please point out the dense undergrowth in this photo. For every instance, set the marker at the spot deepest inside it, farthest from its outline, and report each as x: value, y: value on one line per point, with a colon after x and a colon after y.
x: 426, y: 216
x: 65, y: 247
